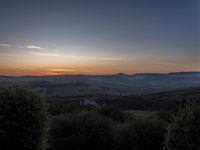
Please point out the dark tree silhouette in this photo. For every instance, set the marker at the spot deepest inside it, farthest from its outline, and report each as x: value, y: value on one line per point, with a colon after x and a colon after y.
x: 23, y: 120
x: 84, y: 130
x: 139, y: 135
x: 184, y: 132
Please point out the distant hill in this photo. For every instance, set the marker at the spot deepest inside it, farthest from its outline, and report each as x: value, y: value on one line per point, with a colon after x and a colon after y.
x: 117, y: 84
x: 150, y: 102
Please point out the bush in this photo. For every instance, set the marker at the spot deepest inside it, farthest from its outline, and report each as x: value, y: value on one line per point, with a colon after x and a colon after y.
x: 139, y: 135
x: 83, y: 130
x: 57, y: 108
x: 23, y: 120
x: 114, y: 115
x: 165, y: 117
x: 184, y: 132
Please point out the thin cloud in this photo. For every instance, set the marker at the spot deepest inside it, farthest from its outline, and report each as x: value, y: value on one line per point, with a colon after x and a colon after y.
x: 174, y: 64
x: 43, y: 54
x: 52, y: 54
x: 21, y: 46
x: 106, y: 58
x: 34, y: 47
x: 46, y: 54
x: 5, y: 45
x: 9, y: 55
x: 62, y: 70
x: 59, y: 71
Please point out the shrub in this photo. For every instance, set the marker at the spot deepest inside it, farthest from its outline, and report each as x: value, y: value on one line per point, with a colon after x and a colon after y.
x: 23, y: 120
x: 184, y: 132
x: 139, y: 135
x: 114, y: 115
x: 83, y: 130
x: 164, y: 116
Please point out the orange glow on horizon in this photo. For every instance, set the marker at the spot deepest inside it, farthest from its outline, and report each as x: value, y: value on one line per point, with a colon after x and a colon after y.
x: 101, y: 70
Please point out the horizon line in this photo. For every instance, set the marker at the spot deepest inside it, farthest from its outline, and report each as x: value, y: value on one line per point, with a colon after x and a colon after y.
x: 119, y: 73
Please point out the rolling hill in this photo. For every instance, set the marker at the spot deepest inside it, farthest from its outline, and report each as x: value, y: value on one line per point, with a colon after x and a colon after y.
x: 117, y: 84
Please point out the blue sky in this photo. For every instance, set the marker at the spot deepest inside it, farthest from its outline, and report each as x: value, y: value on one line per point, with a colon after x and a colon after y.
x: 101, y: 36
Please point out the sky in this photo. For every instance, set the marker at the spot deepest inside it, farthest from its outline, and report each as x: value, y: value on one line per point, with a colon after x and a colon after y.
x: 55, y: 37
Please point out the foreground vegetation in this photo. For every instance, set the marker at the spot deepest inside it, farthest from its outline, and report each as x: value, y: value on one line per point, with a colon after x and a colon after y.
x: 27, y: 124
x: 23, y: 120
